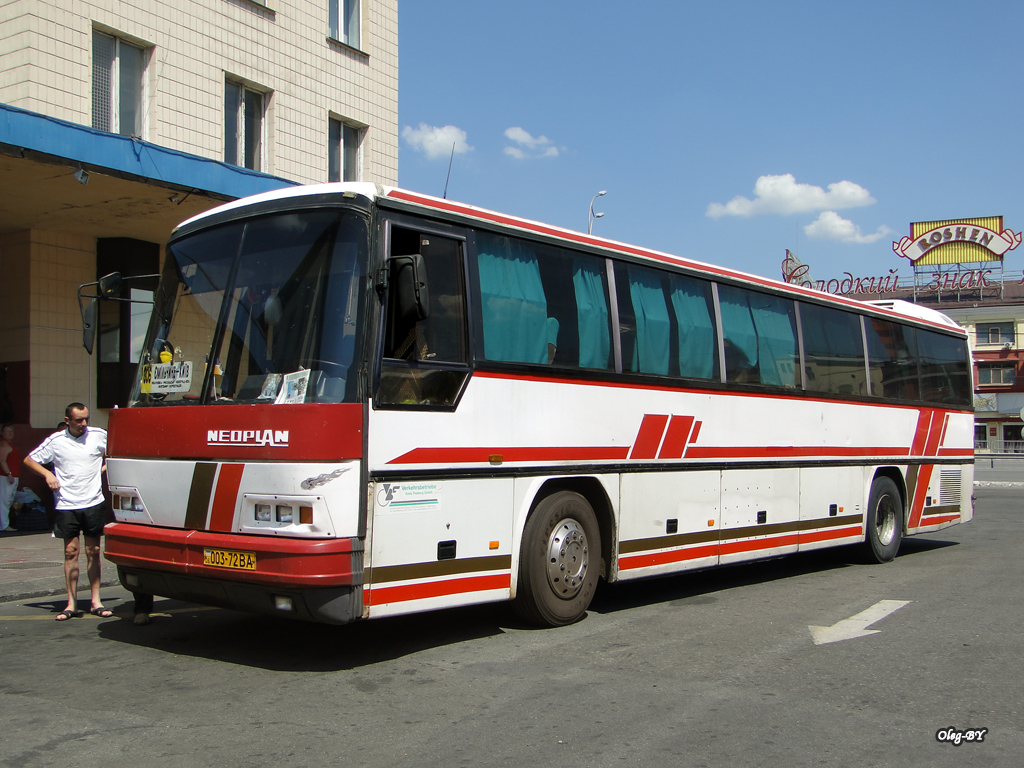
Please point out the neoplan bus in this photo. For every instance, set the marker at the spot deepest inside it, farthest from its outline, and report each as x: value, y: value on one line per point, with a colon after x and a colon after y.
x: 358, y: 401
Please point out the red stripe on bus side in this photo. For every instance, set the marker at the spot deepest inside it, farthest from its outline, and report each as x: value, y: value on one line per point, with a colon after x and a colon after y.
x: 676, y: 437
x: 931, y: 447
x: 938, y: 519
x: 382, y: 595
x: 483, y: 455
x: 753, y: 545
x: 788, y: 451
x: 837, y: 533
x: 924, y: 477
x: 671, y: 556
x: 222, y: 515
x: 615, y: 453
x: 649, y: 437
x: 924, y: 420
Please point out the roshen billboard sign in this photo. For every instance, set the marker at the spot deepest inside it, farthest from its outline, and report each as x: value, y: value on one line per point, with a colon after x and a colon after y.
x: 957, y: 241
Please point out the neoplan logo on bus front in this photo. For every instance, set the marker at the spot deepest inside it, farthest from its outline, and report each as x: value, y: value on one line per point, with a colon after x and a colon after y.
x: 247, y: 437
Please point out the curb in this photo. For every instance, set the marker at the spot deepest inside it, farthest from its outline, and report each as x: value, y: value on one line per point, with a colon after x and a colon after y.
x: 47, y: 587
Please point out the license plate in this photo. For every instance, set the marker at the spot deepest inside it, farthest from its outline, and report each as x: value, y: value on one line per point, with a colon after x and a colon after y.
x: 226, y: 558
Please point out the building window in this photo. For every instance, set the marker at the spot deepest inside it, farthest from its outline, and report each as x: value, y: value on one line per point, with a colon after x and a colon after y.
x: 997, y: 374
x: 343, y: 151
x: 345, y: 21
x: 243, y: 126
x: 117, y: 85
x: 995, y: 333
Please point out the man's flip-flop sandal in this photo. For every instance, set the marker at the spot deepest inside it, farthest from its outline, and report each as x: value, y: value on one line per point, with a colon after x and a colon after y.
x: 64, y: 615
x: 103, y: 612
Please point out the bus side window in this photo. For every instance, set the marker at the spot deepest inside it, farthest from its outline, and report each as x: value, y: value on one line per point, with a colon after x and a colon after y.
x: 833, y: 350
x: 419, y: 353
x: 760, y: 337
x: 892, y: 358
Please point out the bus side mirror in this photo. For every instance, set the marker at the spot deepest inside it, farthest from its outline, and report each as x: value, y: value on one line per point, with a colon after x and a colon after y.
x: 410, y: 285
x: 89, y: 326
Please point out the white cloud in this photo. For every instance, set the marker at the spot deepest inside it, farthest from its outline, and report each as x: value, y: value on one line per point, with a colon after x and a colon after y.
x: 783, y: 195
x: 831, y: 226
x: 528, y: 145
x: 436, y: 142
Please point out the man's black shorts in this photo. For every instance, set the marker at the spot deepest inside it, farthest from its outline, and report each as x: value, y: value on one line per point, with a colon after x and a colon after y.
x: 88, y: 522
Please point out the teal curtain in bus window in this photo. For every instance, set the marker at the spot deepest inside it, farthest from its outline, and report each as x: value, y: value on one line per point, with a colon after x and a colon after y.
x: 776, y: 339
x: 696, y: 329
x: 592, y: 314
x: 741, y: 346
x: 514, y: 309
x: 653, y: 328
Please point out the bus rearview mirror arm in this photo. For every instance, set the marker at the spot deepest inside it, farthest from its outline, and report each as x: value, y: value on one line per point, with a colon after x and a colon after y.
x: 106, y: 288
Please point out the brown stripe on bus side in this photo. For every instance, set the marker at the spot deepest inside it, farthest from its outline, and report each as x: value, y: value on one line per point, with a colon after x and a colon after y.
x: 946, y: 509
x: 388, y: 573
x: 731, y: 534
x: 199, y: 495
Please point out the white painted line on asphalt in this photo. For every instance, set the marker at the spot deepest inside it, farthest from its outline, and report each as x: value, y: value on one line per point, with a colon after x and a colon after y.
x: 856, y: 626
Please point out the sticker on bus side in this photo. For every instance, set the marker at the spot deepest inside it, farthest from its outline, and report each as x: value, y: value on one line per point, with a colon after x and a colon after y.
x: 409, y: 496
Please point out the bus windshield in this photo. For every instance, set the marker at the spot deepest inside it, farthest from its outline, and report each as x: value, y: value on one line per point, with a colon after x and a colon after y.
x: 259, y: 310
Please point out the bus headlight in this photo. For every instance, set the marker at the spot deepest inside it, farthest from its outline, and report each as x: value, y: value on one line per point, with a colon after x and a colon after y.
x: 296, y: 515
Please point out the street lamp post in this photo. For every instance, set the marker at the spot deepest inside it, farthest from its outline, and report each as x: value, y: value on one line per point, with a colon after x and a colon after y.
x: 593, y: 216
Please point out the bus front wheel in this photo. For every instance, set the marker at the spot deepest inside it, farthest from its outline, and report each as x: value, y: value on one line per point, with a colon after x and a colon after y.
x: 559, y: 561
x: 885, y: 521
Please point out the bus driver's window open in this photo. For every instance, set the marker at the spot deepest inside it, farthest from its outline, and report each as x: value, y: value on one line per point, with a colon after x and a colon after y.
x: 426, y: 361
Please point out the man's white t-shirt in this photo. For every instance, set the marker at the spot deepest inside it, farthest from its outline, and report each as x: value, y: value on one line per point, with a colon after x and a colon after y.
x: 76, y: 463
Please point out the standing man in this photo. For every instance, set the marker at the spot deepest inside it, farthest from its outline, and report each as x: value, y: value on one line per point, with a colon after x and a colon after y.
x: 77, y: 454
x: 10, y: 468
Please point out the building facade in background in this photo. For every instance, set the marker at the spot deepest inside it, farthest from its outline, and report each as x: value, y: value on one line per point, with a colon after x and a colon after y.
x: 968, y: 270
x: 120, y: 119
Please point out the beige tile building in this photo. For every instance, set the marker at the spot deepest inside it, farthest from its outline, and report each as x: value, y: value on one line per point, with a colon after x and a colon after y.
x: 120, y: 119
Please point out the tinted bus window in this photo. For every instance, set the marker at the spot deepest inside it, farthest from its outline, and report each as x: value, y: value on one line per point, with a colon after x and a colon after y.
x: 542, y: 305
x: 945, y: 377
x: 760, y: 337
x: 892, y: 360
x: 833, y: 351
x: 666, y: 323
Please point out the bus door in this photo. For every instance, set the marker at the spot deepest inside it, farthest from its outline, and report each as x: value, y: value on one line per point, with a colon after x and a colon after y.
x: 760, y: 513
x: 832, y: 505
x: 669, y: 522
x: 440, y: 533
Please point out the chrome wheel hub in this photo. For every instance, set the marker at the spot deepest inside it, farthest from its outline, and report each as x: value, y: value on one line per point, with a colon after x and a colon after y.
x: 885, y: 520
x: 568, y: 558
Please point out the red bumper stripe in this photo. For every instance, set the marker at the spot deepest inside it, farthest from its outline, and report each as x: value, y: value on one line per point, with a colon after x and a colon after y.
x: 283, y: 562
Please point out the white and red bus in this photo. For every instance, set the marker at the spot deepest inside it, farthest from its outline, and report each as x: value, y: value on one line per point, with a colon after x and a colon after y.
x: 359, y: 401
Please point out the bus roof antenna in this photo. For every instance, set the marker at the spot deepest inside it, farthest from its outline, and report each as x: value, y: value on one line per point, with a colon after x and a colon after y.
x: 450, y: 159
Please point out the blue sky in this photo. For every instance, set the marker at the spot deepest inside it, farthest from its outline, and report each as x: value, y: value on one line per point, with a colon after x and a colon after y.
x: 723, y: 131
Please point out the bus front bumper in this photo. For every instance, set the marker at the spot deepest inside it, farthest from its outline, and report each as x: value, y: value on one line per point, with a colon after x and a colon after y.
x: 311, y: 579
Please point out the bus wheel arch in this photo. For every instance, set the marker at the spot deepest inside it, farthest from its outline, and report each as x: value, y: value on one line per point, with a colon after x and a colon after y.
x: 562, y: 553
x: 885, y: 519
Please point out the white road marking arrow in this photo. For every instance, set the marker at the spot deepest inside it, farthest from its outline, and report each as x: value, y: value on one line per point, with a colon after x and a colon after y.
x: 856, y: 626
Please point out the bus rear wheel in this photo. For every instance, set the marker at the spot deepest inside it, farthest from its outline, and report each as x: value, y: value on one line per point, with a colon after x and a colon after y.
x: 885, y: 521
x: 559, y: 561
